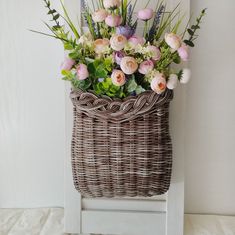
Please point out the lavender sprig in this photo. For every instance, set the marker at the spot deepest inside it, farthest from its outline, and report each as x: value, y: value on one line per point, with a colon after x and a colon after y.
x: 156, y: 22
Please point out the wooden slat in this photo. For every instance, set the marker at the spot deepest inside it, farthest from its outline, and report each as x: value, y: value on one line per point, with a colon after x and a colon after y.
x: 128, y: 223
x: 124, y: 205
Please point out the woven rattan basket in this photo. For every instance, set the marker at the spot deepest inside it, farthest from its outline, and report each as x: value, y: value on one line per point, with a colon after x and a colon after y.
x: 121, y: 147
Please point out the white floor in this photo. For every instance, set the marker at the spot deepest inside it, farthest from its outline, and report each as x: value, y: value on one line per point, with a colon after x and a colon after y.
x: 50, y: 222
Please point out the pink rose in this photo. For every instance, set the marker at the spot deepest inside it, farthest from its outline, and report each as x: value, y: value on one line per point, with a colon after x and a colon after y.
x: 118, y: 42
x: 113, y: 20
x: 67, y: 64
x: 101, y: 45
x: 111, y: 3
x: 158, y: 84
x: 136, y: 40
x: 146, y: 67
x: 99, y: 15
x: 183, y: 52
x: 145, y: 14
x: 82, y: 72
x: 172, y: 81
x: 118, y: 78
x: 173, y: 41
x: 129, y: 65
x: 154, y: 52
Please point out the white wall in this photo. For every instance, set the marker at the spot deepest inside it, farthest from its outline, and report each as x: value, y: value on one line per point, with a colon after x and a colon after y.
x: 32, y: 117
x: 210, y: 125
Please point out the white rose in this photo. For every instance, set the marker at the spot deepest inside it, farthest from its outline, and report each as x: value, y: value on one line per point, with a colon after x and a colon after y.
x: 101, y: 45
x: 173, y: 41
x: 172, y: 82
x: 186, y: 75
x: 111, y: 3
x: 129, y: 65
x: 118, y: 42
x: 99, y: 15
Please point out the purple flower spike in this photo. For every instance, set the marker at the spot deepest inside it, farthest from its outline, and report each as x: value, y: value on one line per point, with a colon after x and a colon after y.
x: 126, y: 31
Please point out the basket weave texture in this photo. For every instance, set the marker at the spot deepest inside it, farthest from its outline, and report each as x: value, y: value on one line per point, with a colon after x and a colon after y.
x: 121, y: 147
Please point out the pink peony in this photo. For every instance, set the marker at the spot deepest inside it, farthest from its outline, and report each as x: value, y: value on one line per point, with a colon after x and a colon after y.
x: 118, y: 78
x: 136, y: 40
x: 113, y: 20
x: 173, y: 41
x: 111, y: 3
x: 67, y: 64
x: 82, y: 72
x: 99, y: 15
x: 146, y: 67
x: 172, y: 81
x: 155, y: 52
x: 145, y: 14
x: 158, y: 84
x: 101, y: 45
x: 183, y: 52
x: 118, y: 42
x: 128, y: 65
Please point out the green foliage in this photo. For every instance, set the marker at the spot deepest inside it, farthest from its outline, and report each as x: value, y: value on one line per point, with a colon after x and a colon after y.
x: 192, y: 31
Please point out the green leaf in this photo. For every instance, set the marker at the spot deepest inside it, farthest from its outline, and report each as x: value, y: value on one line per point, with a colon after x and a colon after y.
x: 131, y: 85
x: 56, y: 17
x: 101, y: 73
x: 190, y: 31
x: 139, y: 90
x: 68, y: 46
x: 51, y: 12
x: 195, y: 27
x: 91, y: 68
x: 73, y: 55
x: 81, y: 84
x: 189, y: 43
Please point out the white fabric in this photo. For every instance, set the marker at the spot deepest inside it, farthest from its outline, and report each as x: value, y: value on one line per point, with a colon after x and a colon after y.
x: 50, y: 222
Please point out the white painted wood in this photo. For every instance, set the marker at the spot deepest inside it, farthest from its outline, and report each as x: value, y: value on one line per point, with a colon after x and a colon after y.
x: 124, y: 204
x: 175, y: 200
x: 132, y: 216
x: 123, y: 223
x: 72, y: 201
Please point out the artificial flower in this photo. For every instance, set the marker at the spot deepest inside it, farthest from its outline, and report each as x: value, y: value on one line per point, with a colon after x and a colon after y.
x: 145, y: 14
x: 118, y: 55
x: 118, y: 78
x: 99, y: 15
x: 111, y: 3
x: 136, y: 40
x: 67, y: 64
x: 173, y: 41
x: 118, y: 42
x: 126, y: 31
x: 82, y: 72
x: 101, y: 45
x: 113, y: 20
x: 129, y: 65
x: 154, y: 52
x: 183, y: 52
x: 172, y: 81
x: 158, y: 83
x: 186, y: 75
x: 146, y: 67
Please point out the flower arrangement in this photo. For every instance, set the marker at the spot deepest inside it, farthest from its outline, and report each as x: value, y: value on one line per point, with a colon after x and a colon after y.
x: 112, y: 59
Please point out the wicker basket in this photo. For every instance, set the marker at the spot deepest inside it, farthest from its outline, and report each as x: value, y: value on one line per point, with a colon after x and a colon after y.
x: 121, y: 147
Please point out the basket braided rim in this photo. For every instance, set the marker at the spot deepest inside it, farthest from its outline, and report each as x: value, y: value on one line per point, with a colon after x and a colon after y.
x: 117, y: 110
